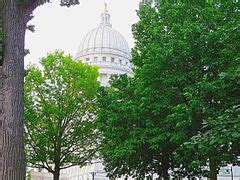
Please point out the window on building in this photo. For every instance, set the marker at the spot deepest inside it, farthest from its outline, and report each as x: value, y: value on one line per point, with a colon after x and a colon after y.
x: 120, y: 61
x: 126, y: 63
x: 95, y: 58
x: 104, y: 59
x: 112, y: 59
x: 87, y: 59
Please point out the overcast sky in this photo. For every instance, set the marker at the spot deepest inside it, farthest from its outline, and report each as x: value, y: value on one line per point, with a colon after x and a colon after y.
x: 63, y: 28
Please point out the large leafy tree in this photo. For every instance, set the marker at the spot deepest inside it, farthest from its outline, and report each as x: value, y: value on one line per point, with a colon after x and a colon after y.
x: 14, y: 15
x: 197, y: 73
x: 119, y: 122
x: 60, y: 110
x: 184, y: 92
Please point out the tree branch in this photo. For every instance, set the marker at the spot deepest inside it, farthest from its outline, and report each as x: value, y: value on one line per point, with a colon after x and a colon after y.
x: 81, y: 162
x: 34, y: 148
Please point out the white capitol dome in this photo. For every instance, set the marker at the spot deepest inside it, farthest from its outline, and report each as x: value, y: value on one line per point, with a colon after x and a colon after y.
x: 107, y: 48
x: 104, y: 38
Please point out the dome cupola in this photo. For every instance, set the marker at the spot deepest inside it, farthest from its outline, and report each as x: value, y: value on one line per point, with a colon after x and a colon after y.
x: 107, y: 48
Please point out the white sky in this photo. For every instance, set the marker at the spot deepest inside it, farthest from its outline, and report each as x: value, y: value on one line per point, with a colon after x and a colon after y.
x: 63, y: 28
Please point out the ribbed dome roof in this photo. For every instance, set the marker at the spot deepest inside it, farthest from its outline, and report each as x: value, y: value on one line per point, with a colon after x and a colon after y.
x: 104, y: 38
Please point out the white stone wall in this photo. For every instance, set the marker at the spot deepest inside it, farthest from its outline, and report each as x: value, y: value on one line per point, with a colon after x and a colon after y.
x: 109, y: 63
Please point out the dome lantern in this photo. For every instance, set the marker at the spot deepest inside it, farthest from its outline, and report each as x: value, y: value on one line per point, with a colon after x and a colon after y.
x: 105, y: 16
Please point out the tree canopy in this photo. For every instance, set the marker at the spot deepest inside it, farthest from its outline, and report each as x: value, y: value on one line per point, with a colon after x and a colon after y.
x: 60, y: 111
x: 182, y: 105
x: 40, y: 2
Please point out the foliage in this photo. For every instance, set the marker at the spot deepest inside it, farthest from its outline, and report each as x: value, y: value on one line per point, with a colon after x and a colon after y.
x: 190, y: 2
x: 181, y: 109
x: 119, y: 122
x: 40, y: 2
x: 60, y: 112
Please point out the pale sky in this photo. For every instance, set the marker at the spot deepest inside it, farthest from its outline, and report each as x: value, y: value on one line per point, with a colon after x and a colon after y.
x: 63, y: 28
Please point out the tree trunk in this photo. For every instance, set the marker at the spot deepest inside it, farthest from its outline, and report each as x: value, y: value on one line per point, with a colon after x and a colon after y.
x: 56, y: 174
x: 1, y: 41
x: 165, y: 175
x: 165, y: 168
x: 213, y: 169
x: 12, y: 166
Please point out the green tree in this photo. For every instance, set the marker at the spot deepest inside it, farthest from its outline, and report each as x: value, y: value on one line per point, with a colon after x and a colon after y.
x: 120, y: 124
x: 184, y: 94
x: 60, y: 111
x: 196, y: 46
x: 15, y: 15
